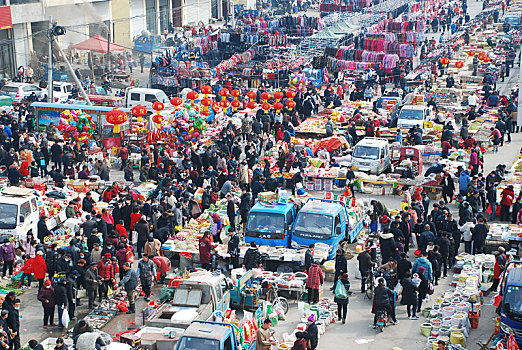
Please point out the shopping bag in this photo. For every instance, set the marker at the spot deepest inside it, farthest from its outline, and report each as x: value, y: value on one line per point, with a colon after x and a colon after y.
x: 431, y: 289
x: 340, y: 291
x: 489, y: 210
x: 129, y: 257
x: 65, y: 318
x: 134, y: 237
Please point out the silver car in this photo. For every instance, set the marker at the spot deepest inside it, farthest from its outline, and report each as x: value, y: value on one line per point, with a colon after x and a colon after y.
x: 20, y: 91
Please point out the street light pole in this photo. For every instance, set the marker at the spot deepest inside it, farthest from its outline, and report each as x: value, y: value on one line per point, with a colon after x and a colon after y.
x: 50, y: 64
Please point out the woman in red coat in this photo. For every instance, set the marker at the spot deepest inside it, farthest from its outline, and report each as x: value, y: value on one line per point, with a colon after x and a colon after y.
x: 508, y: 196
x: 39, y: 268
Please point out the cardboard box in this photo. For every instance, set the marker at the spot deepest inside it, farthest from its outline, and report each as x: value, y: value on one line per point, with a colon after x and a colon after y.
x: 267, y: 196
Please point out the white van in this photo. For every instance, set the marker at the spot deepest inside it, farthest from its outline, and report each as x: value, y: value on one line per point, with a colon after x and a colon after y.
x: 145, y: 97
x: 19, y: 212
x: 372, y: 155
x: 412, y: 115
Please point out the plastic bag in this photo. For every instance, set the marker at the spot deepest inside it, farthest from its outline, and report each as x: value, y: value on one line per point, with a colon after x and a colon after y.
x: 340, y: 291
x: 65, y: 318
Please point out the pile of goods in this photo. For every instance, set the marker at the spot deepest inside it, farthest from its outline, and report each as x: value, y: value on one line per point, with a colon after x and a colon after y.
x: 457, y: 310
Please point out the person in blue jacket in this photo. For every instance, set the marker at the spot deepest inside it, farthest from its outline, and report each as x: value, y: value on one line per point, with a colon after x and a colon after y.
x: 464, y: 181
x: 424, y: 262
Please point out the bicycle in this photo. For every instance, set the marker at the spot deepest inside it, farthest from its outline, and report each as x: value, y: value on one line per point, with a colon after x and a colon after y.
x: 370, y: 283
x: 277, y: 301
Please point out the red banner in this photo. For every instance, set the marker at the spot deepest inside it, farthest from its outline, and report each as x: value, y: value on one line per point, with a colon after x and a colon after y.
x: 5, y: 18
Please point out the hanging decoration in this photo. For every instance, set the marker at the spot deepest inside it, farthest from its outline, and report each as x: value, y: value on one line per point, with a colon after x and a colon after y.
x: 444, y: 61
x: 158, y: 118
x: 471, y: 53
x: 235, y: 104
x: 192, y: 96
x: 116, y: 117
x: 206, y: 90
x: 266, y: 106
x: 176, y: 102
x: 278, y: 106
x: 223, y: 93
x: 139, y: 112
x: 252, y: 95
x: 459, y: 64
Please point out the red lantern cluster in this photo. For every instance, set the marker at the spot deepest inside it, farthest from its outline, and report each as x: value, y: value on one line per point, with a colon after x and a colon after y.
x: 459, y: 64
x: 116, y: 117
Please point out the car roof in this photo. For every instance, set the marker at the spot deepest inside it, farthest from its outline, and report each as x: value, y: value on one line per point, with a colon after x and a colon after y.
x: 18, y: 84
x: 414, y: 107
x: 207, y: 331
x: 319, y: 207
x: 269, y: 208
x: 372, y: 141
x: 145, y: 90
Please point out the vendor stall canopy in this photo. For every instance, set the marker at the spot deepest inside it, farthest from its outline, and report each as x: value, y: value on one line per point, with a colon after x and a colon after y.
x: 97, y: 43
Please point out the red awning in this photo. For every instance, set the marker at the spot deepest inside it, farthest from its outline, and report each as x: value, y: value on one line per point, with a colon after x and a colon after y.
x: 97, y: 44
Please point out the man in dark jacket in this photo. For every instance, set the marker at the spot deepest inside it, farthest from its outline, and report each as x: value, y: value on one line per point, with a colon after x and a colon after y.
x: 388, y: 247
x: 88, y: 227
x: 129, y: 283
x: 252, y: 258
x: 146, y: 272
x: 309, y: 257
x: 233, y: 248
x: 478, y: 236
x: 382, y: 301
x: 13, y: 322
x: 341, y: 266
x: 231, y: 210
x: 87, y: 203
x: 43, y: 231
x: 60, y: 294
x: 142, y: 227
x: 72, y: 289
x: 91, y: 284
x: 426, y: 237
x: 365, y: 265
x: 444, y: 245
x: 51, y: 259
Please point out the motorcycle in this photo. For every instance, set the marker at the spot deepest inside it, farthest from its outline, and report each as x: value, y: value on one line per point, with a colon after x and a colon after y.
x: 382, y: 320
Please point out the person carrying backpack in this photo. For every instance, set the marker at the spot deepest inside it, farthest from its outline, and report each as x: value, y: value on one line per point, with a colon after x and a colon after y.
x: 341, y: 297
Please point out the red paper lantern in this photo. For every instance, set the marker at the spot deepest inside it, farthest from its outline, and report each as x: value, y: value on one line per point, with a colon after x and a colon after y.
x: 291, y: 105
x: 290, y: 94
x: 278, y: 106
x: 192, y: 95
x: 176, y: 101
x: 158, y: 106
x: 278, y: 95
x: 205, y: 90
x: 459, y: 64
x: 116, y: 117
x: 206, y: 112
x: 235, y: 93
x: 471, y: 53
x: 157, y: 118
x: 223, y: 93
x: 481, y: 56
x: 139, y: 111
x: 224, y: 104
x: 252, y: 105
x: 206, y: 102
x: 235, y: 104
x: 252, y: 95
x: 486, y: 59
x: 265, y: 96
x: 444, y: 61
x: 266, y: 106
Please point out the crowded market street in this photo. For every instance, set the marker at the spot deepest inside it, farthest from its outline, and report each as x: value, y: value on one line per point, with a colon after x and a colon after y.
x: 267, y: 175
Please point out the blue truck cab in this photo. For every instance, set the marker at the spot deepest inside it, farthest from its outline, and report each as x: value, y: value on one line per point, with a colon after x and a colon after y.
x: 512, y: 21
x: 270, y: 224
x: 323, y: 221
x: 511, y: 303
x: 211, y: 335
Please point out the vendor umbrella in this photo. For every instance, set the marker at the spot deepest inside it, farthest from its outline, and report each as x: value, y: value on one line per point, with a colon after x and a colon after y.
x: 97, y: 43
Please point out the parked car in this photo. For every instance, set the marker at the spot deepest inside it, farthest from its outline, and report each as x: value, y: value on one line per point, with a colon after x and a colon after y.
x: 20, y: 91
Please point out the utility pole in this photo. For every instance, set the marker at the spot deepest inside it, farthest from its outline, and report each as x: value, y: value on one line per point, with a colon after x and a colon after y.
x: 50, y: 63
x: 76, y: 80
x: 109, y: 47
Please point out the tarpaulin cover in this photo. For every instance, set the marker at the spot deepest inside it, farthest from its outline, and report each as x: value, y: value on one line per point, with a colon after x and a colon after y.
x: 330, y: 143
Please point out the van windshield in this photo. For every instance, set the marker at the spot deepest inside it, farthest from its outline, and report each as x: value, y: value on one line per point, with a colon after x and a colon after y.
x: 313, y: 226
x: 513, y: 297
x: 198, y: 343
x: 366, y: 152
x: 8, y: 215
x: 261, y: 224
x: 415, y: 114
